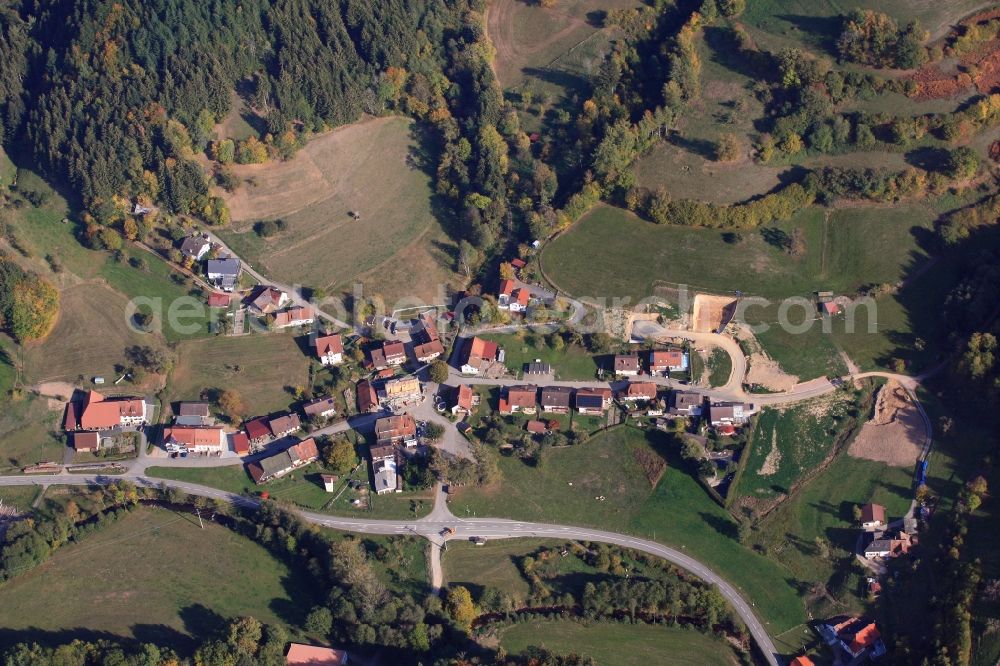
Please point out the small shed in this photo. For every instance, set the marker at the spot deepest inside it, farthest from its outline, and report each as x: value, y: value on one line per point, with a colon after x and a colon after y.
x: 328, y: 481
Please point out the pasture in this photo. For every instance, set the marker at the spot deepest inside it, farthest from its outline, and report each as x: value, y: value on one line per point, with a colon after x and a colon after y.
x: 304, y: 488
x: 604, y: 642
x: 30, y: 432
x: 550, y: 51
x: 569, y: 363
x: 88, y: 340
x: 155, y: 576
x: 677, y: 512
x: 371, y: 167
x: 263, y: 368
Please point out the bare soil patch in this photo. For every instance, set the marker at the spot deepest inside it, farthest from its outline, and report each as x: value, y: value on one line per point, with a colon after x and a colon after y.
x: 773, y: 458
x: 896, y: 432
x: 711, y: 311
x: 653, y: 466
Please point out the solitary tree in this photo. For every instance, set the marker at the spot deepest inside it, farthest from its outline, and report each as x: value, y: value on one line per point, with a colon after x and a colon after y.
x: 439, y: 372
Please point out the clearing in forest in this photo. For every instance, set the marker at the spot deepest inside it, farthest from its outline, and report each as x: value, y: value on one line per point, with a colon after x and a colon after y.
x: 370, y: 168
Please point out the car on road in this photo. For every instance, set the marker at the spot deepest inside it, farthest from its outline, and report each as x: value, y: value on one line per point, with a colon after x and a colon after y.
x: 448, y: 531
x: 479, y: 541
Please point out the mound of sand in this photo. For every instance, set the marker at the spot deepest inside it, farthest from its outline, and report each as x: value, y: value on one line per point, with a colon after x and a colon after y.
x: 896, y: 432
x: 711, y: 311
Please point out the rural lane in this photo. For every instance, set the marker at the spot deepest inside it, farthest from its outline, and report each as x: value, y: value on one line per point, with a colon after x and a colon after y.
x: 432, y: 526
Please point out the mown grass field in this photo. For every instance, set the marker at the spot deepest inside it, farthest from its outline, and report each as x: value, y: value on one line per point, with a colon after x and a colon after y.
x: 263, y: 368
x: 155, y: 576
x: 789, y: 442
x: 305, y: 489
x: 89, y: 338
x: 370, y: 167
x: 29, y: 432
x: 619, y: 644
x: 677, y: 512
x: 569, y: 363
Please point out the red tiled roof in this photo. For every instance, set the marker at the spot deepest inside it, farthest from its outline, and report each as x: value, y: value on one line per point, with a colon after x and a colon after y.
x: 536, y: 426
x: 428, y: 349
x: 394, y: 427
x: 872, y: 513
x: 663, y: 359
x: 258, y: 428
x: 522, y: 396
x: 327, y: 344
x: 801, y: 661
x: 464, y: 397
x: 517, y: 263
x: 241, y: 443
x: 522, y: 296
x: 312, y: 655
x: 291, y: 315
x: 86, y: 440
x: 190, y: 437
x: 216, y: 300
x: 865, y: 638
x: 477, y: 350
x: 506, y: 288
x: 393, y: 349
x: 641, y: 390
x: 284, y: 423
x: 100, y: 413
x: 367, y: 398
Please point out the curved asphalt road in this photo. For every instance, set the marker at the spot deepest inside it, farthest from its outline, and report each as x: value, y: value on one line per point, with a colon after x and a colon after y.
x: 440, y: 518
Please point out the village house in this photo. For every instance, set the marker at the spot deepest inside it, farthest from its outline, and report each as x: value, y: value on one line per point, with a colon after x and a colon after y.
x: 390, y: 354
x: 367, y: 397
x: 195, y: 247
x: 424, y: 333
x: 268, y: 300
x: 398, y: 429
x: 428, y: 351
x: 194, y: 414
x: 636, y: 391
x: 401, y: 391
x: 626, y: 365
x: 98, y: 412
x: 194, y: 439
x: 886, y: 545
x: 513, y: 298
x: 464, y: 397
x: 329, y: 349
x: 258, y: 430
x: 219, y: 300
x: 320, y: 408
x: 854, y: 636
x: 801, y: 660
x: 300, y: 654
x: 729, y: 413
x: 385, y: 469
x: 295, y: 316
x: 536, y: 369
x: 556, y: 399
x: 517, y: 264
x: 85, y: 442
x: 223, y: 273
x: 477, y: 354
x: 519, y: 399
x: 872, y: 517
x: 536, y: 427
x: 684, y: 403
x: 593, y: 400
x: 279, y: 464
x: 284, y: 424
x: 240, y: 443
x: 665, y: 361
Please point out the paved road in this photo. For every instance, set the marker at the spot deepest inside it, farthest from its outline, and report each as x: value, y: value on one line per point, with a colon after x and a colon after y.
x: 432, y: 526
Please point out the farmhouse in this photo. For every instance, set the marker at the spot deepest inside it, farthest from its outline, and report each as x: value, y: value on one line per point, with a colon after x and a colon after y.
x: 321, y: 408
x: 258, y: 430
x: 463, y: 400
x: 300, y: 654
x: 194, y: 440
x: 296, y: 316
x: 385, y: 469
x: 268, y: 300
x: 367, y: 397
x: 872, y: 517
x: 855, y: 636
x: 477, y: 354
x: 684, y: 403
x: 224, y: 273
x: 666, y: 361
x: 885, y: 545
x: 329, y: 349
x: 401, y: 429
x: 556, y: 399
x: 728, y: 413
x: 195, y: 247
x: 638, y: 391
x: 283, y: 425
x: 626, y: 365
x: 97, y: 412
x: 85, y: 442
x: 283, y: 462
x: 513, y: 298
x: 519, y: 399
x: 593, y: 400
x: 402, y: 391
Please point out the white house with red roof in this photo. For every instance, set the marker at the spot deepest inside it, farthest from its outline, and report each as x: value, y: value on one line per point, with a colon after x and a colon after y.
x: 329, y: 349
